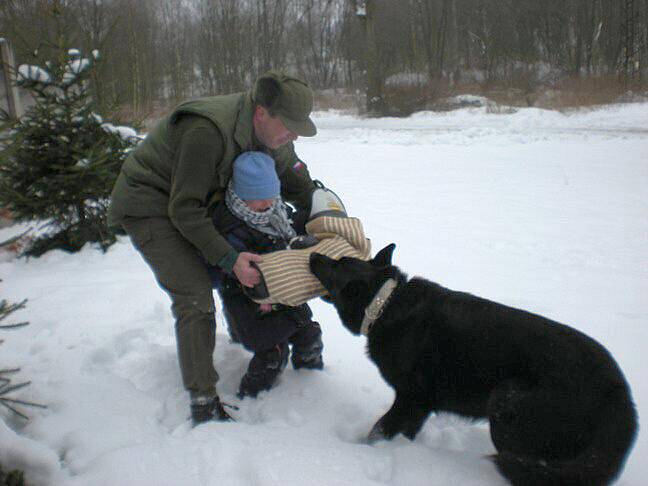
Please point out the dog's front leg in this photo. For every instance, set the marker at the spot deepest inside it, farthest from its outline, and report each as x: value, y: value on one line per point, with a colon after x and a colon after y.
x: 405, y: 416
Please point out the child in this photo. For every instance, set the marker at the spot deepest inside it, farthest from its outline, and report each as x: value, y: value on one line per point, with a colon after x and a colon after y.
x: 254, y: 218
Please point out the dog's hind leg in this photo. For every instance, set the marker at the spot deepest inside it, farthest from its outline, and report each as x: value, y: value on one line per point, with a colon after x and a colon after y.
x: 405, y: 416
x: 538, y: 422
x: 537, y: 429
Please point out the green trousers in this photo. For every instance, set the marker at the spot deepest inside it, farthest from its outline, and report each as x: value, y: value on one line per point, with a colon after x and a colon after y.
x: 180, y: 271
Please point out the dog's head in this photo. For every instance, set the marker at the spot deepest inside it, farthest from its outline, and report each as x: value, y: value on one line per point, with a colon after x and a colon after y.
x: 352, y: 283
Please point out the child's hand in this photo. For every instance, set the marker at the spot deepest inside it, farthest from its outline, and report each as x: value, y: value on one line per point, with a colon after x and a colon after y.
x: 265, y: 308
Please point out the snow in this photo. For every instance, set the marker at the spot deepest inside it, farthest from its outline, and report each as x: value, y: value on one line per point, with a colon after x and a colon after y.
x: 33, y: 73
x: 471, y: 100
x: 73, y: 68
x: 536, y: 209
x: 407, y: 79
x: 77, y: 65
x: 124, y: 132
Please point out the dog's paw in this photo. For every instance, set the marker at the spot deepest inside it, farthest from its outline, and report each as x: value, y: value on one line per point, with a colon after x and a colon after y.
x: 377, y: 434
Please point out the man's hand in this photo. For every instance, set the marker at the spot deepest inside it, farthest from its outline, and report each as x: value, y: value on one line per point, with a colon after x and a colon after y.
x: 246, y: 274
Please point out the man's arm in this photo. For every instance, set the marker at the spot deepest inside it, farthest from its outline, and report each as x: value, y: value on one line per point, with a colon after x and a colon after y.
x: 199, y: 149
x: 296, y: 183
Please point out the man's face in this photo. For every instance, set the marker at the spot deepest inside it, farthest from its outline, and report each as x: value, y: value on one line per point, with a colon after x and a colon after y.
x: 270, y: 130
x: 259, y: 205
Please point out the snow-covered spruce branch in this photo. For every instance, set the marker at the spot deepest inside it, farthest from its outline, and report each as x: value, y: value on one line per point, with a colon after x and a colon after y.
x: 6, y: 384
x: 13, y: 404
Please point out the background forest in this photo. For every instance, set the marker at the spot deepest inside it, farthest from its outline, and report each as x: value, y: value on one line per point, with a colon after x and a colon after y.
x: 389, y: 57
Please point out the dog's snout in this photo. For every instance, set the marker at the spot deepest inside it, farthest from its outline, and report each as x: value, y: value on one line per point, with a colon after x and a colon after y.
x: 314, y: 259
x: 318, y: 264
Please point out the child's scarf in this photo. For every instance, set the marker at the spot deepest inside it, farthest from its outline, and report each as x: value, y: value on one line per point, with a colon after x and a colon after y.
x: 274, y: 222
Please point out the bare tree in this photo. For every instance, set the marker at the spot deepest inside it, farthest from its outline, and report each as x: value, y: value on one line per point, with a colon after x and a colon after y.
x: 175, y: 45
x: 374, y: 77
x: 270, y: 24
x: 432, y: 18
x: 629, y: 41
x: 224, y: 44
x: 317, y: 28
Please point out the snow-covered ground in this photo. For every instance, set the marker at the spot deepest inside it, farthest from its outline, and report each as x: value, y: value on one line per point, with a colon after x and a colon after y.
x: 535, y: 209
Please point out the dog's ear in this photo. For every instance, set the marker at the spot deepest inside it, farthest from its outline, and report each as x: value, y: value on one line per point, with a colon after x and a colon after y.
x: 383, y: 257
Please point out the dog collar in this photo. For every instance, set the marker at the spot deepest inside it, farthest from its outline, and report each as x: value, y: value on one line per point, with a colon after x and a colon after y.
x: 375, y: 308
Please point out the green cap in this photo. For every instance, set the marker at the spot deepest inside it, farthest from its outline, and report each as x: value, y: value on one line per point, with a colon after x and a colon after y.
x: 289, y: 99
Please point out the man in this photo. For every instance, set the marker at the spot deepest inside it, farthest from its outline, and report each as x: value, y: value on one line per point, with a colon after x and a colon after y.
x: 170, y: 182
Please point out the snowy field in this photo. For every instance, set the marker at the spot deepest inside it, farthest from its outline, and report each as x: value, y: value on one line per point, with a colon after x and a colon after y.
x: 538, y: 210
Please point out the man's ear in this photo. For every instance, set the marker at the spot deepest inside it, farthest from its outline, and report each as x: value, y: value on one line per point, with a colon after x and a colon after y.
x: 384, y: 257
x: 260, y: 114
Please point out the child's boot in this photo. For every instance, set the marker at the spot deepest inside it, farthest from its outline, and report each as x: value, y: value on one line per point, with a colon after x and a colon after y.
x: 306, y: 342
x: 263, y: 370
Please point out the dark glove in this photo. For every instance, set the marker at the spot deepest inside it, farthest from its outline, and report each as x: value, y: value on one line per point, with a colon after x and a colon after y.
x: 303, y: 241
x: 260, y: 290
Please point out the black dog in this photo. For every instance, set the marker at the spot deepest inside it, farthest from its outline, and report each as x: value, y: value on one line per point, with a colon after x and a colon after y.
x: 559, y: 407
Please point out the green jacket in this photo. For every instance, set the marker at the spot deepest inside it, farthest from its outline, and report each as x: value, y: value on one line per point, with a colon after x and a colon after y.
x: 185, y: 163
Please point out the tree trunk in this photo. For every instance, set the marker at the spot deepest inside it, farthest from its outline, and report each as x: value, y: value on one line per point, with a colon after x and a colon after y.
x: 373, y: 77
x: 441, y: 40
x: 6, y: 68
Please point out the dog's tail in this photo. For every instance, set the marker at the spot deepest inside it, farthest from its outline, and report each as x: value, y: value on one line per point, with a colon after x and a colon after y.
x: 597, y: 464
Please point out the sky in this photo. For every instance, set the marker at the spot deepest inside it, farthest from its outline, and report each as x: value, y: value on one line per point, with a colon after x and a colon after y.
x: 536, y: 209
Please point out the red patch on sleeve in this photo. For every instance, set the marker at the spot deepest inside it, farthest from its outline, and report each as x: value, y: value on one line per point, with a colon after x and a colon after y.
x: 297, y: 166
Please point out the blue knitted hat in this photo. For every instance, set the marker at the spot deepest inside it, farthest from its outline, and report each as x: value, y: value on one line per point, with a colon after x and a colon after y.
x: 255, y: 176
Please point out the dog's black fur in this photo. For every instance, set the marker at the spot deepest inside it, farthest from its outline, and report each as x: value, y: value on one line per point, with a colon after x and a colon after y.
x: 559, y: 407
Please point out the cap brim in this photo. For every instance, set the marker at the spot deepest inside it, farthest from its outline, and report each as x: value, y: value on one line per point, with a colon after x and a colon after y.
x: 303, y: 128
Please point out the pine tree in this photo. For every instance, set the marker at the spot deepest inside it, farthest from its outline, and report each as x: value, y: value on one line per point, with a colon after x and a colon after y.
x: 60, y: 160
x: 7, y: 386
x: 12, y: 477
